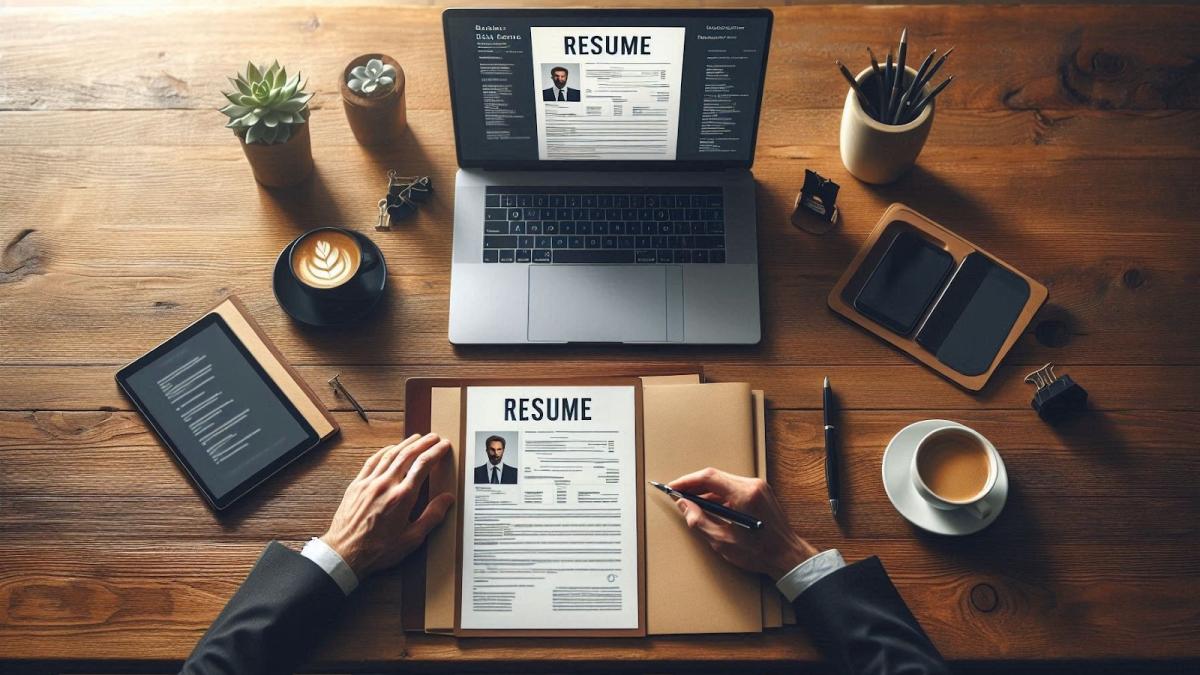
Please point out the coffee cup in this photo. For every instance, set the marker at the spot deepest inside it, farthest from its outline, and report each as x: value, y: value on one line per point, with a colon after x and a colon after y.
x: 955, y: 467
x: 330, y: 263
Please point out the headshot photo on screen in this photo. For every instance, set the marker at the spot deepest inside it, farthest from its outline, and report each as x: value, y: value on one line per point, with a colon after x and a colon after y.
x: 560, y: 82
x: 497, y: 459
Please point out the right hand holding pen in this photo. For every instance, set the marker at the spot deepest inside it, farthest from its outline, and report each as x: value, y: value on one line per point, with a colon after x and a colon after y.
x: 774, y: 550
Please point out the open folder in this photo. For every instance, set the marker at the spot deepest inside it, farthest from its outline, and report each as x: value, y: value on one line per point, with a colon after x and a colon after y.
x: 684, y: 586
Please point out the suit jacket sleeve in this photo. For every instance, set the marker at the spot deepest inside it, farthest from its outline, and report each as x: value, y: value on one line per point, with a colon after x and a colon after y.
x: 860, y: 623
x: 282, y: 607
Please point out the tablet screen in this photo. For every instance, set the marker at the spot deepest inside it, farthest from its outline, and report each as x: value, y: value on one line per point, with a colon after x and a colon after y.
x: 216, y: 409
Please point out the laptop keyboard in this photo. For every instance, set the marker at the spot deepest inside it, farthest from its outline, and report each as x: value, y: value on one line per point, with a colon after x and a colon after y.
x: 651, y: 225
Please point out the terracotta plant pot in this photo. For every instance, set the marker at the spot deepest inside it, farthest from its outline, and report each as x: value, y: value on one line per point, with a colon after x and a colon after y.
x: 375, y: 120
x: 880, y: 153
x: 281, y: 164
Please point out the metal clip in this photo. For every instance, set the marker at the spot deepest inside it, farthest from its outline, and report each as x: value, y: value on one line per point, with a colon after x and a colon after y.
x: 384, y: 222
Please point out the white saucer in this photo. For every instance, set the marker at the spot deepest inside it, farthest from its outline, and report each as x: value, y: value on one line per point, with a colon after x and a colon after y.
x: 897, y: 482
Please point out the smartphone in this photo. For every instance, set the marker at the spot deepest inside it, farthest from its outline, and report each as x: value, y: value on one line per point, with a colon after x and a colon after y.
x: 908, y: 277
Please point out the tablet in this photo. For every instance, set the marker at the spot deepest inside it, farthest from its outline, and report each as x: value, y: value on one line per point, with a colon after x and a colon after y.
x: 221, y: 398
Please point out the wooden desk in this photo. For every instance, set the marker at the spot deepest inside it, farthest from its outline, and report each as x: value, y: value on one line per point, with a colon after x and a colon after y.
x: 1069, y: 145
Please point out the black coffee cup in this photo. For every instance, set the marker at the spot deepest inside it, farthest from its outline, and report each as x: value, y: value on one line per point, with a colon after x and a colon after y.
x: 330, y: 275
x: 353, y: 280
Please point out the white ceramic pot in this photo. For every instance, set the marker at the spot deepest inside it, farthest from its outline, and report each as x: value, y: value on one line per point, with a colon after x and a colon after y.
x: 880, y: 153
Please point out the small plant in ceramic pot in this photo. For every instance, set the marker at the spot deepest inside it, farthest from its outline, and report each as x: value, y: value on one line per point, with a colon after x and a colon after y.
x: 373, y: 96
x: 269, y: 112
x: 376, y: 78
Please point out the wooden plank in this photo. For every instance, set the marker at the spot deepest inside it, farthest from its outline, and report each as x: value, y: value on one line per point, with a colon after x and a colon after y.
x: 1077, y: 134
x: 1092, y: 481
x: 1097, y: 57
x: 1101, y: 320
x: 902, y: 387
x: 153, y: 601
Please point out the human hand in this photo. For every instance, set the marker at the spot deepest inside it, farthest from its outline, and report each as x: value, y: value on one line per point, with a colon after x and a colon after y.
x: 773, y: 550
x: 371, y: 529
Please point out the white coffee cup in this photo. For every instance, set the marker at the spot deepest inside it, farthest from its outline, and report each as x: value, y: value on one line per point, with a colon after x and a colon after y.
x: 976, y: 504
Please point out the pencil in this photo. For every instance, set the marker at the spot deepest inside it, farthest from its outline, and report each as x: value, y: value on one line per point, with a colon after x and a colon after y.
x: 887, y: 83
x: 913, y: 89
x: 878, y: 77
x: 898, y: 82
x: 933, y: 71
x: 925, y: 101
x: 862, y: 98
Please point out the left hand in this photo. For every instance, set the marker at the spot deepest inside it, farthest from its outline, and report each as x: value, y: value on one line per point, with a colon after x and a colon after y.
x: 371, y: 529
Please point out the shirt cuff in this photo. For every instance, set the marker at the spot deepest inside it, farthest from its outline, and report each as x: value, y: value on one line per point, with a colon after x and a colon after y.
x: 809, y: 572
x: 328, y: 559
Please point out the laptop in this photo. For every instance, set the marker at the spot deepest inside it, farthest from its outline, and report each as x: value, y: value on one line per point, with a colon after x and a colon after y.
x: 604, y: 192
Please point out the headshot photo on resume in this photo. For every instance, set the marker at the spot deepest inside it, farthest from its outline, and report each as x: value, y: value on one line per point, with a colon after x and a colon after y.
x: 496, y: 454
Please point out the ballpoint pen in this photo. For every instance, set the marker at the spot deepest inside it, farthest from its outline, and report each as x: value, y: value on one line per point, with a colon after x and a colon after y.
x: 736, y: 517
x: 831, y: 466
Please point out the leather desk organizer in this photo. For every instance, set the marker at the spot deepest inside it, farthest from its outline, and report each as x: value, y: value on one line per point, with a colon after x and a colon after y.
x: 898, y: 218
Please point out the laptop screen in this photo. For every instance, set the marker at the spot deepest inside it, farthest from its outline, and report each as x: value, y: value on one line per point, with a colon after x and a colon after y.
x: 591, y: 88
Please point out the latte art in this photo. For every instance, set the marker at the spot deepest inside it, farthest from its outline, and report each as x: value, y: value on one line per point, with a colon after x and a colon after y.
x: 326, y: 259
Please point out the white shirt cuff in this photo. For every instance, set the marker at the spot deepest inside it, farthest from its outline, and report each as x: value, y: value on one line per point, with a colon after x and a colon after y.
x: 809, y: 572
x: 328, y: 559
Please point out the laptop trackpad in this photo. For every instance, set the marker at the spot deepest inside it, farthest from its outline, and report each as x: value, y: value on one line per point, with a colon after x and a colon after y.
x: 606, y: 303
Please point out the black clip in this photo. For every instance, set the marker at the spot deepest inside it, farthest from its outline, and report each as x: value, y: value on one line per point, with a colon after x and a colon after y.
x: 816, y: 209
x: 404, y: 194
x: 1057, y: 397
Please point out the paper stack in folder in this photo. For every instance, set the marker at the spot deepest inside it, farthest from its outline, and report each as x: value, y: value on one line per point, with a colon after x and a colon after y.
x: 686, y: 426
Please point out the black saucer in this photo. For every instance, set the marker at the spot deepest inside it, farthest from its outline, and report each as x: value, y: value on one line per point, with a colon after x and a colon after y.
x: 299, y: 303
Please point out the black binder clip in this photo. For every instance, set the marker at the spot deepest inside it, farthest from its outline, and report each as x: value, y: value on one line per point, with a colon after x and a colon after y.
x: 1057, y: 397
x: 816, y: 209
x: 404, y: 194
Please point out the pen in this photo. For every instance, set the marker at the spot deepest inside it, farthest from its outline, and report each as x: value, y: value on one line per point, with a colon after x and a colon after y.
x: 831, y: 467
x: 340, y: 388
x: 735, y: 517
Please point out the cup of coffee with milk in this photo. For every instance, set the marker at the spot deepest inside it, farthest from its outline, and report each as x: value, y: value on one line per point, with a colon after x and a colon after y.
x: 330, y: 263
x: 956, y: 468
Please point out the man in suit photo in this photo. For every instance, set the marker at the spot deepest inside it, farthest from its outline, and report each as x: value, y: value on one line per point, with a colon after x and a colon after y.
x: 495, y: 471
x: 852, y: 611
x: 560, y: 91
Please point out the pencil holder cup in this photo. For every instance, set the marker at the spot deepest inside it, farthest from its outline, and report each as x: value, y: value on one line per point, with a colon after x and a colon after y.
x: 878, y: 153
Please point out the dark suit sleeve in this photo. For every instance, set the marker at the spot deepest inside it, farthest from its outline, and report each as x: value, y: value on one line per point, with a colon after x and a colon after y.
x: 282, y: 607
x: 862, y: 626
x: 510, y: 475
x: 547, y: 95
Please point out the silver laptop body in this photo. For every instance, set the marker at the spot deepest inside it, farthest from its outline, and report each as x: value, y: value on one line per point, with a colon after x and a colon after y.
x: 518, y: 295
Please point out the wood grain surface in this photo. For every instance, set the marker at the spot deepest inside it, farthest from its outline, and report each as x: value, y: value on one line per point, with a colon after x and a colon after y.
x: 1069, y: 145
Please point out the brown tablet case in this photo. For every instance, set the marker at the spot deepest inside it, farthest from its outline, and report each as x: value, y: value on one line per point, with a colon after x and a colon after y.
x: 898, y: 218
x: 733, y: 601
x: 297, y: 391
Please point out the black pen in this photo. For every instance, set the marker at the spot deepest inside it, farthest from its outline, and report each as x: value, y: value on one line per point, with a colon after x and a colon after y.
x: 735, y: 517
x: 831, y: 467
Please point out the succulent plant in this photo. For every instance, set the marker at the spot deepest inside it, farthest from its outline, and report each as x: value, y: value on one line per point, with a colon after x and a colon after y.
x: 266, y: 105
x: 372, y: 79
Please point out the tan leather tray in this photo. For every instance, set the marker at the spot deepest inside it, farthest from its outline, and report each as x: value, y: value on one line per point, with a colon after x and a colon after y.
x: 899, y: 217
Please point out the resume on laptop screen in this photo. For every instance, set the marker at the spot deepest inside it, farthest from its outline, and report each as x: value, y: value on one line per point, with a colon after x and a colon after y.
x: 599, y: 86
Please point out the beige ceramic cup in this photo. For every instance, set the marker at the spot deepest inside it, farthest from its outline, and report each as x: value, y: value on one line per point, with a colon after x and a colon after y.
x: 880, y: 153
